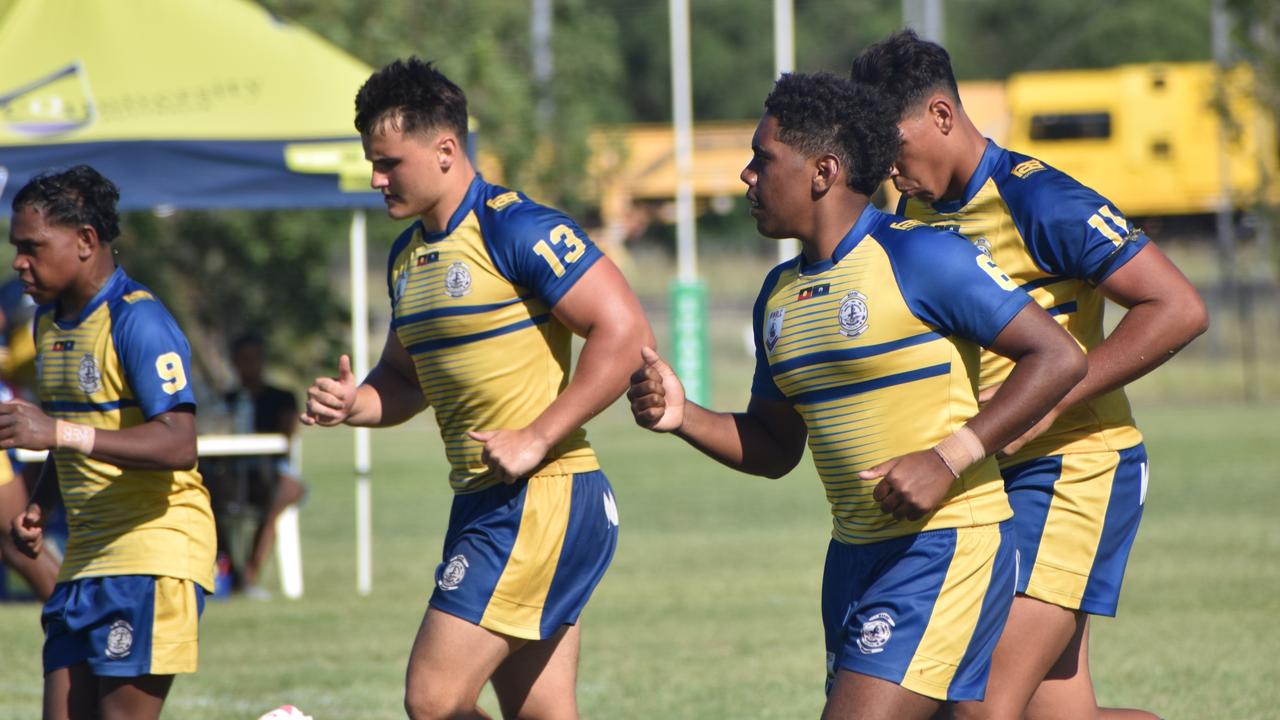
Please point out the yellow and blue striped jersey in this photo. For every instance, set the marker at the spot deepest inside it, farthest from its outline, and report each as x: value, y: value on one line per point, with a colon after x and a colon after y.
x: 121, y: 362
x: 472, y: 305
x: 1058, y: 240
x: 877, y: 349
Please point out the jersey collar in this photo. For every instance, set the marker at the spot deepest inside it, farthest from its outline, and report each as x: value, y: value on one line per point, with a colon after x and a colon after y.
x: 860, y: 229
x: 986, y: 167
x: 474, y: 192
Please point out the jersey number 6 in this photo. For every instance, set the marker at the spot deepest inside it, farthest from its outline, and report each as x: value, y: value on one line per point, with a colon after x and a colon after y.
x: 560, y: 233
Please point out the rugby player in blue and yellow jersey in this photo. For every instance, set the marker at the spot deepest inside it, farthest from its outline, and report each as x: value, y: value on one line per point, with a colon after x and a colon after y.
x: 1077, y: 480
x: 867, y: 344
x: 118, y: 417
x: 487, y: 288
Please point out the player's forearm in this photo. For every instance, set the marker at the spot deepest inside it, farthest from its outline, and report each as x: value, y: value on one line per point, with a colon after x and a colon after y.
x: 153, y: 445
x: 45, y: 493
x: 1041, y: 377
x: 603, y: 371
x: 1149, y: 334
x: 736, y: 440
x: 385, y: 398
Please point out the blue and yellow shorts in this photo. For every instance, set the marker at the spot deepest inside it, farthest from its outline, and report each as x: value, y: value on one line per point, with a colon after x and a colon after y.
x: 922, y: 611
x: 1076, y: 517
x: 123, y: 625
x: 523, y: 559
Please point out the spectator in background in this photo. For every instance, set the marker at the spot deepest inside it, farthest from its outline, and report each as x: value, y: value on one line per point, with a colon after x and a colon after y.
x: 256, y: 407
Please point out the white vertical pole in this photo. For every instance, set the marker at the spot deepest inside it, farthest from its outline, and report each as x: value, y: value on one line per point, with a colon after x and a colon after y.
x: 926, y: 17
x: 541, y: 20
x: 682, y: 121
x: 784, y: 61
x: 360, y: 366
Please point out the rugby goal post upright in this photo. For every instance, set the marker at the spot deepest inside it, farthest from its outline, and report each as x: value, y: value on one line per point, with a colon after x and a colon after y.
x: 360, y: 367
x: 688, y: 293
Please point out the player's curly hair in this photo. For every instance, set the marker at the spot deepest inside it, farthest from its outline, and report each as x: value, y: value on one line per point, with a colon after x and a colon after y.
x: 415, y: 96
x: 77, y: 196
x: 821, y: 113
x: 906, y: 69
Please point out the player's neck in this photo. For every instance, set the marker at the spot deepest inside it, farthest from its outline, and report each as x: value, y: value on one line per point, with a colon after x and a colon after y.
x: 73, y: 300
x: 832, y: 221
x: 970, y: 145
x: 436, y: 218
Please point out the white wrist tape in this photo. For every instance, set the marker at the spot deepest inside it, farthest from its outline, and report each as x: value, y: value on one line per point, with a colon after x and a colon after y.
x: 960, y: 450
x: 73, y: 436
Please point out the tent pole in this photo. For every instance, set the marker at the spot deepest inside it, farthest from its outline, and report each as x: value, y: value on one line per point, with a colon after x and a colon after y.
x: 360, y: 366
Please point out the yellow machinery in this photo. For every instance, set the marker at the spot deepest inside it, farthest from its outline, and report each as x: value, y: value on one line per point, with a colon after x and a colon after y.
x: 1147, y: 136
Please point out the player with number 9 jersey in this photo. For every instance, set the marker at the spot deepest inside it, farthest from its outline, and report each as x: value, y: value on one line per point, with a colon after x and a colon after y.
x: 121, y: 362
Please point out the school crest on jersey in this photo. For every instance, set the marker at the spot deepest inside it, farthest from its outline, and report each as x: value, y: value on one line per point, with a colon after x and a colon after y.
x: 876, y: 632
x: 983, y: 245
x: 773, y: 328
x: 853, y: 314
x: 89, y: 376
x: 453, y: 573
x: 402, y: 282
x: 457, y: 281
x: 119, y: 639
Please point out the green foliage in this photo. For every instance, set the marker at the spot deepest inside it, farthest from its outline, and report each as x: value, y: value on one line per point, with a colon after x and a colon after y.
x: 228, y: 272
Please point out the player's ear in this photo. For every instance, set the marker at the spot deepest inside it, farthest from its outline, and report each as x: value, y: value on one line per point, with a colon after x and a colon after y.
x: 447, y: 150
x: 87, y: 242
x: 942, y: 113
x: 826, y: 174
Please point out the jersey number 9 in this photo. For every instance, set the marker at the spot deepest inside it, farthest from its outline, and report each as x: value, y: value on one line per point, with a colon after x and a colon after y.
x: 169, y: 368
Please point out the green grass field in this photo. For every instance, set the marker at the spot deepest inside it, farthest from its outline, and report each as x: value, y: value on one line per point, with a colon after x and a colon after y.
x: 710, y: 609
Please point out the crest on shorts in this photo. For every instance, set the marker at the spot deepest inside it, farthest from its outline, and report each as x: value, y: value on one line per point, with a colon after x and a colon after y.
x: 119, y: 639
x: 853, y: 314
x: 875, y: 633
x: 457, y: 280
x: 773, y: 328
x: 89, y: 375
x: 983, y: 245
x: 453, y: 573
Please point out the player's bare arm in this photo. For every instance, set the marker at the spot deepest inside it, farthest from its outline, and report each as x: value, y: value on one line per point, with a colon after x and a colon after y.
x: 1048, y: 364
x: 27, y: 528
x: 389, y: 395
x: 1164, y: 313
x: 165, y: 442
x: 768, y: 439
x: 602, y: 309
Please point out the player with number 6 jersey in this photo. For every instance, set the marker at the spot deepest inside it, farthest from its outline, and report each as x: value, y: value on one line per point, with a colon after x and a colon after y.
x: 117, y: 415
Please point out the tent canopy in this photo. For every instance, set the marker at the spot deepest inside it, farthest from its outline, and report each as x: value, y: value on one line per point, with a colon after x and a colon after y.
x: 182, y: 103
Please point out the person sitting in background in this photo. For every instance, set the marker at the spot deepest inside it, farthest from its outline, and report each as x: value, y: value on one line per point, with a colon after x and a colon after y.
x: 256, y: 407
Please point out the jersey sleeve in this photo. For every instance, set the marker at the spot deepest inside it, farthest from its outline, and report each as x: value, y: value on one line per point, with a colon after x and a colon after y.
x: 953, y: 286
x: 762, y: 384
x: 154, y: 356
x: 1069, y: 229
x: 539, y: 249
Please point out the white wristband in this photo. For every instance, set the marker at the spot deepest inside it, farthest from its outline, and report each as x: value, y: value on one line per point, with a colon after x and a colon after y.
x: 73, y: 436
